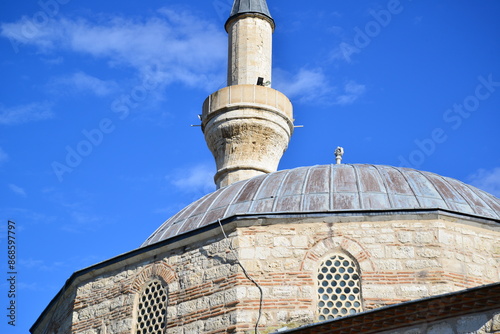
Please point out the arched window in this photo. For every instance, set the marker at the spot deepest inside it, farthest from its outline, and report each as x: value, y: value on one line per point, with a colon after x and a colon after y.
x: 152, y: 309
x: 339, y: 287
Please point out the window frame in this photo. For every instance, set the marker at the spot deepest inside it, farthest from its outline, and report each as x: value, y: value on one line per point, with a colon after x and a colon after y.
x: 331, y: 295
x: 163, y: 310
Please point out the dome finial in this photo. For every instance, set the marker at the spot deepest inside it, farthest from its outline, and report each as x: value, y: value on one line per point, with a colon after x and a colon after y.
x: 339, y: 153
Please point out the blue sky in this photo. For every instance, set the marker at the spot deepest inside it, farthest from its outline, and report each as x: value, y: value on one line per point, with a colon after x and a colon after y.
x: 97, y: 99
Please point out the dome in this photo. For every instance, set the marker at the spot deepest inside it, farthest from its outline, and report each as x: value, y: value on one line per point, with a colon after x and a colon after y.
x: 331, y: 189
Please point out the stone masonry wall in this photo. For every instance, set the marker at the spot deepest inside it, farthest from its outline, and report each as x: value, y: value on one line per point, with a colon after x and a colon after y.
x: 201, y: 297
x: 400, y: 260
x: 60, y: 320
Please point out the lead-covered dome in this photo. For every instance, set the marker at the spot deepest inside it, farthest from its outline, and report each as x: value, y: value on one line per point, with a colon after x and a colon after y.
x: 330, y: 189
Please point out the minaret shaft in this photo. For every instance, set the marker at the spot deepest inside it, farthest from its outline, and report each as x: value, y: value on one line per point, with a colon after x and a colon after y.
x: 250, y: 50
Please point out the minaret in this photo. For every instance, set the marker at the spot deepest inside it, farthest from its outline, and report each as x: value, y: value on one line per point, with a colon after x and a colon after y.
x: 250, y: 28
x: 247, y: 125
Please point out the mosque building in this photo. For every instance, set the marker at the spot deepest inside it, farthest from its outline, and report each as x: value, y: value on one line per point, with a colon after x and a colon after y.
x: 340, y: 248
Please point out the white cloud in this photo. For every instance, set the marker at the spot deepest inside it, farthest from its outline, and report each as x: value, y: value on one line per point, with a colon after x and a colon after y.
x: 344, y: 52
x: 81, y: 218
x: 41, y: 265
x: 313, y: 86
x: 351, y: 92
x: 80, y: 221
x: 25, y: 113
x: 18, y: 190
x: 197, y: 179
x: 305, y: 86
x: 487, y: 180
x: 83, y: 82
x: 27, y: 216
x: 79, y: 215
x: 183, y: 47
x: 3, y: 156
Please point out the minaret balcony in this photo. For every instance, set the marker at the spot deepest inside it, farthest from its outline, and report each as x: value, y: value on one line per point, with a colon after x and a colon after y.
x: 247, y: 128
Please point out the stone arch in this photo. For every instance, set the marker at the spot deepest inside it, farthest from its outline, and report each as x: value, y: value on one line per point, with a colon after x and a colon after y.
x: 334, y: 245
x: 151, y: 308
x: 340, y: 244
x: 159, y: 275
x: 159, y: 270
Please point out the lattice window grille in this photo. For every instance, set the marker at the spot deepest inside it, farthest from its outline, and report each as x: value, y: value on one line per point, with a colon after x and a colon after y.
x: 152, y: 309
x: 339, y: 290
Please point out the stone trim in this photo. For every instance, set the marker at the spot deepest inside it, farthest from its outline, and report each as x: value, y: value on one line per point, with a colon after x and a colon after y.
x: 343, y: 244
x: 151, y: 271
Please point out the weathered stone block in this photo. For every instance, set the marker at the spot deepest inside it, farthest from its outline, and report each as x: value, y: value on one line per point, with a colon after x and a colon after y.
x: 424, y: 237
x: 389, y: 265
x: 400, y: 252
x: 247, y: 253
x: 282, y: 241
x: 262, y: 252
x: 421, y: 264
x: 405, y: 236
x: 495, y: 324
x: 429, y: 252
x: 414, y: 291
x: 281, y: 252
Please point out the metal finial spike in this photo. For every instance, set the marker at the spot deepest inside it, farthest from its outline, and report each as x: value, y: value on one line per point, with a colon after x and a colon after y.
x: 339, y: 153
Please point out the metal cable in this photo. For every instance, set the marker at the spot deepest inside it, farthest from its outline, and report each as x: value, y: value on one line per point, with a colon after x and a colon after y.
x: 261, y: 301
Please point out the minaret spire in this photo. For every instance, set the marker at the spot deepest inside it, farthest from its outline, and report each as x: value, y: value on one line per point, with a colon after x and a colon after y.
x: 250, y: 6
x: 247, y: 125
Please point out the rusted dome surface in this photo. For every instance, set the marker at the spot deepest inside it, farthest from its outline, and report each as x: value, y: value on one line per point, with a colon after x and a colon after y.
x: 331, y: 188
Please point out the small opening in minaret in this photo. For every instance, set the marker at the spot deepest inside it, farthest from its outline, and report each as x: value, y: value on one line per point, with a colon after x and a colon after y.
x: 260, y: 81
